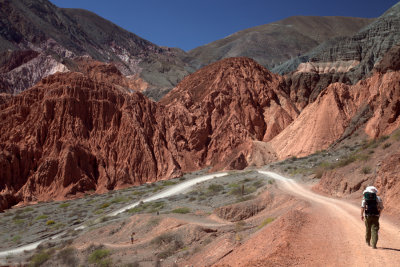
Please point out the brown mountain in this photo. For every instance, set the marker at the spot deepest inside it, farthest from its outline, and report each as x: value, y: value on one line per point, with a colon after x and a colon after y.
x: 274, y: 43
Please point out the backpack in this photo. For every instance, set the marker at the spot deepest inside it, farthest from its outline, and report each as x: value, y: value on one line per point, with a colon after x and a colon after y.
x: 371, y: 204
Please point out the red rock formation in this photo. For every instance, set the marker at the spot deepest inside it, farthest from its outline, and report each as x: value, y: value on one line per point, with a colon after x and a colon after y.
x: 325, y: 121
x: 232, y: 104
x: 71, y: 134
x: 75, y: 132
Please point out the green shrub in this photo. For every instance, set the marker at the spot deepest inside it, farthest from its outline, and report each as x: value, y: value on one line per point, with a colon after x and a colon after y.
x: 265, y: 222
x: 100, y: 257
x: 39, y: 258
x: 19, y: 221
x: 258, y: 183
x: 168, y: 183
x: 386, y: 145
x: 119, y: 200
x: 16, y: 238
x: 215, y: 188
x: 171, y: 241
x: 50, y: 222
x: 183, y: 210
x: 104, y: 205
x: 41, y: 217
x: 64, y: 205
x: 68, y: 256
x: 366, y: 170
x: 138, y: 193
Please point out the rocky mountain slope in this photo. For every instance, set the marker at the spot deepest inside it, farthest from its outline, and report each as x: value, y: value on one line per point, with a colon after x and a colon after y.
x: 274, y: 43
x: 77, y: 132
x: 44, y: 38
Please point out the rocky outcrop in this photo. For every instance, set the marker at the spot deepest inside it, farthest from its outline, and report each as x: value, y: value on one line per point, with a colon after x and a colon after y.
x: 341, y: 59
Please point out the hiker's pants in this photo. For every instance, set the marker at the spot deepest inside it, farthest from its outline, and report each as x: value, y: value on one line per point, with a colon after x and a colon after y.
x: 372, y: 227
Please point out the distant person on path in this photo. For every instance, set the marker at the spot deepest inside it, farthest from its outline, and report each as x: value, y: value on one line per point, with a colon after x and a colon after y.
x: 133, y: 233
x: 371, y: 208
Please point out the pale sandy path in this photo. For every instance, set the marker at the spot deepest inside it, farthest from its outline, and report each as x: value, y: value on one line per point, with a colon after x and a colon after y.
x: 335, y: 234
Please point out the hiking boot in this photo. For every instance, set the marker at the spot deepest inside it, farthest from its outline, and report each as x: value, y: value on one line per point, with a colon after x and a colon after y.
x: 368, y: 243
x: 374, y: 247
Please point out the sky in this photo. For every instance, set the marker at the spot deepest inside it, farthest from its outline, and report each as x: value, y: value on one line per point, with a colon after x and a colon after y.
x: 188, y: 24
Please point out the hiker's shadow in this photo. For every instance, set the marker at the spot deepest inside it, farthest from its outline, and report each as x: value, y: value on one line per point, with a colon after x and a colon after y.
x: 394, y: 249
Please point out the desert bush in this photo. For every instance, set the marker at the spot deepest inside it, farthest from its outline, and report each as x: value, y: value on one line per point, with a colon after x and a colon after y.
x: 172, y: 241
x: 386, y: 145
x: 16, y: 238
x: 168, y: 183
x: 50, y: 222
x: 258, y: 183
x: 119, y: 200
x: 68, y: 256
x: 182, y: 210
x: 100, y: 257
x: 41, y: 217
x: 28, y: 209
x: 64, y: 205
x: 214, y: 188
x: 265, y: 222
x: 39, y: 258
x: 366, y: 170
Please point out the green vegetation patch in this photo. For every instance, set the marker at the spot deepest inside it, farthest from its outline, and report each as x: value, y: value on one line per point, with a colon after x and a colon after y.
x: 41, y: 217
x: 50, y: 222
x: 39, y: 258
x: 64, y: 205
x: 148, y: 207
x: 100, y: 257
x: 182, y: 210
x: 265, y: 222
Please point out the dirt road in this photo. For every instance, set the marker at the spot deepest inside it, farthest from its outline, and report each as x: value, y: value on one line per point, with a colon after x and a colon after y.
x: 335, y: 234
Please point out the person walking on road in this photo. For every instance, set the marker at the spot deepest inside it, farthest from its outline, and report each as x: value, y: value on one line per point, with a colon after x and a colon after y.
x: 371, y: 208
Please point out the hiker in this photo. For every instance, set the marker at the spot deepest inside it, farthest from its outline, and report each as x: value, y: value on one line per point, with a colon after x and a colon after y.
x: 372, y: 207
x: 133, y: 233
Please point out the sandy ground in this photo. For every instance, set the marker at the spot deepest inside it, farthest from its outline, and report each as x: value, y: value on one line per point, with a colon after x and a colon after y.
x: 334, y: 234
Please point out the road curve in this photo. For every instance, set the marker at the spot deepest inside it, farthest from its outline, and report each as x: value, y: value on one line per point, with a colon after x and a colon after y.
x: 335, y: 233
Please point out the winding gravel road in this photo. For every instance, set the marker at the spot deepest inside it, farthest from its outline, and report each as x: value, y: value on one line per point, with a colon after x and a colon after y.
x: 173, y: 190
x: 335, y: 233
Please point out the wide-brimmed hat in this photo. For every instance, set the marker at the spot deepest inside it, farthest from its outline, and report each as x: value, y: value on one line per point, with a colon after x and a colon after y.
x: 371, y: 189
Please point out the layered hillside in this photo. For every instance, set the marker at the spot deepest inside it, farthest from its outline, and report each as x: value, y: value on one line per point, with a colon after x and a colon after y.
x: 274, y: 43
x: 339, y: 111
x: 44, y: 38
x: 345, y: 59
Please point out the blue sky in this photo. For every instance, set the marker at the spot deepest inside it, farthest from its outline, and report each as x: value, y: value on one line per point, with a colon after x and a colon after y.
x: 190, y: 23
